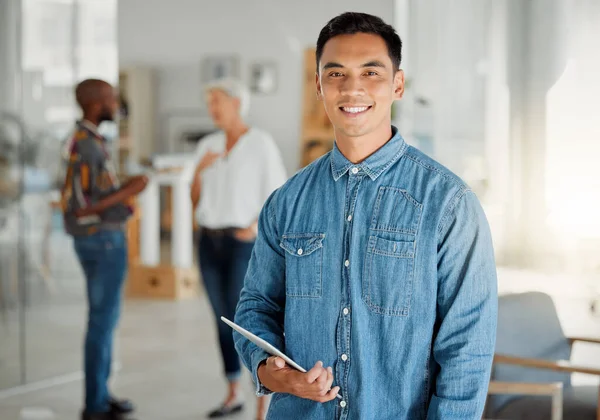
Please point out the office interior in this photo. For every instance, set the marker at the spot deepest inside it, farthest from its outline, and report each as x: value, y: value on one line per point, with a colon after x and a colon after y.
x: 505, y: 93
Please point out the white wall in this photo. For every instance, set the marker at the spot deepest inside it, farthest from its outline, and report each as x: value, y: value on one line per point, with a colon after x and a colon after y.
x: 174, y: 36
x: 8, y: 56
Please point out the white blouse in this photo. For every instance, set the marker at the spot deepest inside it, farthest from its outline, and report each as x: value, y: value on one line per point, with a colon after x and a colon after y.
x: 235, y: 187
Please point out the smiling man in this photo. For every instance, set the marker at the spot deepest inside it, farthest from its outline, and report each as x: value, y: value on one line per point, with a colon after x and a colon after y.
x: 374, y: 265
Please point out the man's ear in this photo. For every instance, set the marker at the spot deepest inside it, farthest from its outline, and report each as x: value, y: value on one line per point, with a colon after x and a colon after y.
x: 318, y: 85
x: 399, y: 84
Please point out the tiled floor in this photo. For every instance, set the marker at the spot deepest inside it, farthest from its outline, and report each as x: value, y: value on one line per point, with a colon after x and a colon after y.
x: 170, y: 366
x: 167, y: 351
x: 167, y: 356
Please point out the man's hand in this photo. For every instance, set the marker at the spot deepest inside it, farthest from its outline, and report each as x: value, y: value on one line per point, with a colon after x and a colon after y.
x: 82, y: 212
x: 313, y: 385
x: 130, y: 188
x: 139, y: 182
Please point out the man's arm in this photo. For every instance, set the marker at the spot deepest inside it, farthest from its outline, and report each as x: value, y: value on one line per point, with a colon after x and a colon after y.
x: 261, y: 311
x: 467, y: 303
x: 132, y: 187
x: 262, y: 300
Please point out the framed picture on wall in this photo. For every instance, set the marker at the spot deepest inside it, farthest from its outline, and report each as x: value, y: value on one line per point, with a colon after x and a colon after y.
x: 263, y: 77
x: 219, y: 67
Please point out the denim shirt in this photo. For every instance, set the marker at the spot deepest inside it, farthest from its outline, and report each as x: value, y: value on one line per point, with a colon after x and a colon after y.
x: 383, y: 270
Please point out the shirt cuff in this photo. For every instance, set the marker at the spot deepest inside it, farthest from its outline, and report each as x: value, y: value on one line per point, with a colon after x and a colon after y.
x: 257, y: 357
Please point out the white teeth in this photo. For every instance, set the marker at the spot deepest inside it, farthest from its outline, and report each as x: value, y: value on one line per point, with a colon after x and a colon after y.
x: 355, y: 110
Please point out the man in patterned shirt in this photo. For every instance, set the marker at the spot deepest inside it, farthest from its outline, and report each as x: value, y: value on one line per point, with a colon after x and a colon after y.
x: 96, y: 209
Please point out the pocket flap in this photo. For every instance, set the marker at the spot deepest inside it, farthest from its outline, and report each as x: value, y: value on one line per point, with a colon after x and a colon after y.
x: 302, y: 244
x: 399, y: 249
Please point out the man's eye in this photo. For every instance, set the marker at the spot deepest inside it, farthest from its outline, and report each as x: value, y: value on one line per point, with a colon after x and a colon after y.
x: 335, y: 74
x: 371, y: 73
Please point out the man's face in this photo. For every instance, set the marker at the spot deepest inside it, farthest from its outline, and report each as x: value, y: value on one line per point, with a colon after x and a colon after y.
x: 109, y: 104
x: 357, y: 83
x: 222, y: 107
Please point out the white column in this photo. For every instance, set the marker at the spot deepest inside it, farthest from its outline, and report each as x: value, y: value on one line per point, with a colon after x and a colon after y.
x: 536, y: 59
x: 181, y: 225
x: 497, y: 128
x: 149, y: 202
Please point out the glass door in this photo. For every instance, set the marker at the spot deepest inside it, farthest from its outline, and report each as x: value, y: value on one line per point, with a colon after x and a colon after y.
x: 46, y: 48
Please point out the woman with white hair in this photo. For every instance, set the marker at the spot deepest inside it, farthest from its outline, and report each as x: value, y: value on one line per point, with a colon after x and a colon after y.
x: 234, y: 172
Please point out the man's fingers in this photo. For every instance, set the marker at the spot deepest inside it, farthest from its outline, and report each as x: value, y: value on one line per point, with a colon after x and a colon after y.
x: 331, y: 394
x: 276, y: 362
x: 315, y: 372
x: 329, y: 381
x: 324, y: 382
x: 321, y: 382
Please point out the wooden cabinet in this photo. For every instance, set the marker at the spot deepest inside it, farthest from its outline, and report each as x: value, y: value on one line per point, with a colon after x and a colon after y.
x: 317, y: 131
x: 137, y: 119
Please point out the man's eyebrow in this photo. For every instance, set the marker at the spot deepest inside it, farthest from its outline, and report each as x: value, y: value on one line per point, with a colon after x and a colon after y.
x: 332, y: 65
x: 373, y: 63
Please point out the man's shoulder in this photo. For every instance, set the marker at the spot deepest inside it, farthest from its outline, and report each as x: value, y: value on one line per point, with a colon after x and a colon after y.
x: 433, y: 170
x: 81, y: 145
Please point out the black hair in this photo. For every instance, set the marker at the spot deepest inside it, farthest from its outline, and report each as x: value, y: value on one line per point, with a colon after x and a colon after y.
x: 350, y: 23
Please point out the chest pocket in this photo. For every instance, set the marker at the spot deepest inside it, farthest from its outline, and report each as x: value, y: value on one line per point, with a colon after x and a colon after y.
x: 303, y: 264
x: 388, y: 277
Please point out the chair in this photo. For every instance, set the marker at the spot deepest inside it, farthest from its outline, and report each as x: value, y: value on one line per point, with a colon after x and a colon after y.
x: 532, y: 348
x: 553, y: 390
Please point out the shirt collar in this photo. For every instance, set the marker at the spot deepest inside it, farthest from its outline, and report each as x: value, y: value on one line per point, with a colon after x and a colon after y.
x: 375, y: 164
x: 91, y: 127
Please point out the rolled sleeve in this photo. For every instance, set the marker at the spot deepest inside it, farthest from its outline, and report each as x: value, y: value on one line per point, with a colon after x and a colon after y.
x: 257, y: 357
x: 467, y: 306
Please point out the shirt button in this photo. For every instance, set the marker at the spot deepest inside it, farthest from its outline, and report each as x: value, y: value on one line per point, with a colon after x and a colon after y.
x: 343, y: 404
x: 344, y: 357
x: 346, y: 311
x: 300, y: 251
x: 354, y: 170
x: 346, y: 263
x: 349, y: 218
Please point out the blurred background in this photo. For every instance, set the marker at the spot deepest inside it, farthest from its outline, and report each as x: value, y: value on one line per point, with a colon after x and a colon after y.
x: 503, y: 92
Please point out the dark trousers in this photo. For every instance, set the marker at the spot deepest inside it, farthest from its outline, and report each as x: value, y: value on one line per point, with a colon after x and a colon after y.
x: 223, y: 264
x: 103, y: 257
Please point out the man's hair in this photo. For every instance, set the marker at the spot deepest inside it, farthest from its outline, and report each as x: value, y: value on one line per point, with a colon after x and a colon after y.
x: 233, y: 88
x: 350, y: 23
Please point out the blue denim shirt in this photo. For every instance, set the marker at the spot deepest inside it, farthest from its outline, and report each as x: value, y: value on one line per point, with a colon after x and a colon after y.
x: 385, y: 271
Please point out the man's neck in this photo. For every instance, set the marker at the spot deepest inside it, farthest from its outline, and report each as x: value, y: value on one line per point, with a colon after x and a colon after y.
x: 91, y: 120
x: 357, y: 149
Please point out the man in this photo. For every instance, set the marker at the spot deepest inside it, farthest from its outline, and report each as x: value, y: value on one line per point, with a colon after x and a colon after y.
x: 95, y: 212
x: 235, y: 170
x: 374, y: 265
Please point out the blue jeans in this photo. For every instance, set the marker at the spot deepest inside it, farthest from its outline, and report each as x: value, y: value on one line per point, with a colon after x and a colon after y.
x: 103, y: 257
x: 223, y: 264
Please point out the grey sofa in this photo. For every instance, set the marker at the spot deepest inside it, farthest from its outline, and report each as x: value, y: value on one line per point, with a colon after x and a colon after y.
x: 532, y: 348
